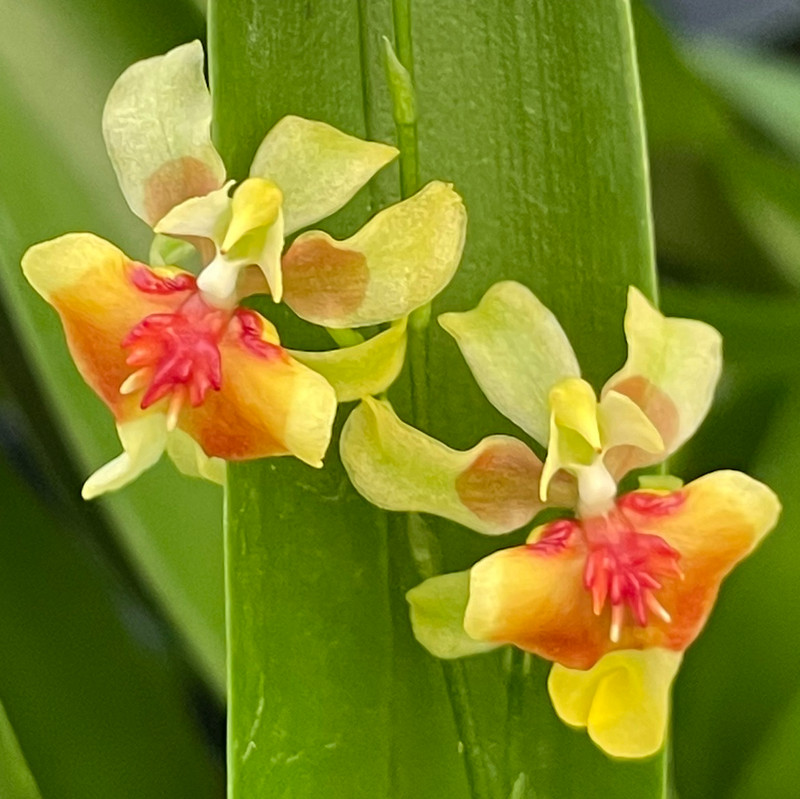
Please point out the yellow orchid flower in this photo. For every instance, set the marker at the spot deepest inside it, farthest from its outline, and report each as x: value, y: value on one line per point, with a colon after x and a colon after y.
x: 208, y: 384
x: 182, y: 367
x: 614, y: 593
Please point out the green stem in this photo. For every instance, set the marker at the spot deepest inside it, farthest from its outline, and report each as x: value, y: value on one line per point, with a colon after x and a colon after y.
x: 481, y: 773
x: 345, y: 337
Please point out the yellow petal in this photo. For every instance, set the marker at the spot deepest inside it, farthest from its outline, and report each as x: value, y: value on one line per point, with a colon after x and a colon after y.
x: 399, y: 261
x: 622, y: 701
x: 189, y: 458
x: 364, y: 369
x: 630, y: 439
x: 574, y: 432
x: 574, y: 405
x: 672, y: 369
x: 269, y: 403
x: 255, y: 204
x: 144, y: 440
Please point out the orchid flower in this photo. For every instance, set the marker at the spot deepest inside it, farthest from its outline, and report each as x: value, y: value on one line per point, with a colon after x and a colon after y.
x: 613, y: 592
x: 206, y: 383
x: 156, y: 125
x: 179, y: 363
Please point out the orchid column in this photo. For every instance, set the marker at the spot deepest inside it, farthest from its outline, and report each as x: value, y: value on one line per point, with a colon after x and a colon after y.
x: 533, y: 111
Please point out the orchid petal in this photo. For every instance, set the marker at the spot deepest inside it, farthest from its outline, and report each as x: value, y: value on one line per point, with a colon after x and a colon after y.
x: 143, y: 440
x: 533, y: 596
x: 189, y: 458
x: 206, y: 217
x: 672, y: 369
x: 317, y: 167
x: 714, y: 522
x: 622, y: 701
x: 437, y: 616
x: 517, y: 352
x: 574, y: 431
x: 402, y: 258
x: 269, y: 403
x: 630, y: 439
x: 490, y: 489
x: 255, y: 204
x: 364, y: 369
x: 156, y: 124
x: 92, y: 285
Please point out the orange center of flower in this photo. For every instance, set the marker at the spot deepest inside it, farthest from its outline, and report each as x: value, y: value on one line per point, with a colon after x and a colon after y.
x: 624, y: 567
x: 177, y: 353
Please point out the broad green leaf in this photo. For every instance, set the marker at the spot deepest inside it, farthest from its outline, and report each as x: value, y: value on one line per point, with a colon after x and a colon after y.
x: 694, y: 138
x: 772, y: 769
x: 16, y: 780
x: 533, y: 114
x: 58, y: 64
x: 762, y: 87
x: 727, y: 708
x: 98, y: 699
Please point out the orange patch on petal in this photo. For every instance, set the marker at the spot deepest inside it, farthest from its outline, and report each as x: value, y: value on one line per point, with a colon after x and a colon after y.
x: 659, y: 409
x: 247, y: 417
x: 533, y: 596
x: 98, y: 314
x: 501, y: 485
x: 176, y: 181
x: 323, y: 281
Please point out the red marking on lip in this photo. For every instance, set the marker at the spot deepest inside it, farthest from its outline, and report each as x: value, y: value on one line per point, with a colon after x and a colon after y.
x: 180, y: 350
x: 650, y: 504
x: 146, y: 280
x: 250, y: 334
x: 556, y: 537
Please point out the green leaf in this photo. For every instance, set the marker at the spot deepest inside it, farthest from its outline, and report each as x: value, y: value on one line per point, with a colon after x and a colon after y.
x: 699, y: 147
x: 16, y: 780
x: 55, y: 177
x: 83, y: 669
x: 728, y: 708
x: 763, y: 88
x: 534, y: 115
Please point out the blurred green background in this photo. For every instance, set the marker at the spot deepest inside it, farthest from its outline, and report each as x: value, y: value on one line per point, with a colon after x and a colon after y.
x: 111, y: 617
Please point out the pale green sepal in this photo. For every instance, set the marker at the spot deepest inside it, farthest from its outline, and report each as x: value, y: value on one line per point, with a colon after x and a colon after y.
x: 317, y: 167
x: 437, y: 616
x: 399, y: 468
x: 517, y: 352
x: 157, y: 129
x: 410, y: 252
x: 189, y: 458
x: 363, y: 369
x: 623, y: 422
x: 143, y: 441
x: 205, y: 217
x: 681, y: 358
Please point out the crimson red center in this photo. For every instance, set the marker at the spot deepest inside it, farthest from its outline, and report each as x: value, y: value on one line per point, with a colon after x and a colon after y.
x: 177, y: 352
x: 624, y: 567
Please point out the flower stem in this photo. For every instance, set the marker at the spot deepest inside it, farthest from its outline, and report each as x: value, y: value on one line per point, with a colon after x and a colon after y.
x: 481, y: 774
